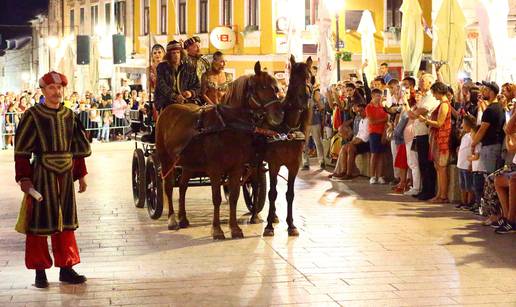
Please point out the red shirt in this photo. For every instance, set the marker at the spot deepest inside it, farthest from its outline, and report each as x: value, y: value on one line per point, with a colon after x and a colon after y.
x: 374, y: 112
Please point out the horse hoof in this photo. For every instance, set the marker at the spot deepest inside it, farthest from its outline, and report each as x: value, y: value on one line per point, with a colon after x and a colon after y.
x: 255, y: 220
x: 293, y: 232
x: 218, y: 234
x: 173, y: 227
x: 237, y: 234
x: 184, y: 223
x: 267, y: 232
x: 275, y: 220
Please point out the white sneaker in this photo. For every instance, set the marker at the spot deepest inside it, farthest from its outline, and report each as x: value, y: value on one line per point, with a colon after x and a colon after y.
x: 381, y: 180
x: 411, y: 192
x: 373, y: 180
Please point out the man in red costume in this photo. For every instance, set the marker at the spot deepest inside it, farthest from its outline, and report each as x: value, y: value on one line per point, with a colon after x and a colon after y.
x: 53, y: 137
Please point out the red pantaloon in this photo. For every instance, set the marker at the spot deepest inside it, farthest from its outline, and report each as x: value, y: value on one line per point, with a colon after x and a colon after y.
x: 64, y: 248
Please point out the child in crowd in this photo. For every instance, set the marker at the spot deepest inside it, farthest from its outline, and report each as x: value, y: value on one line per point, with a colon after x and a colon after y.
x: 479, y: 172
x: 105, y: 126
x: 464, y: 164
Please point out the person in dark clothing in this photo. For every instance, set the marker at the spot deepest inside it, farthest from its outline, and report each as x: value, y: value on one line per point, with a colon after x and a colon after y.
x: 177, y: 82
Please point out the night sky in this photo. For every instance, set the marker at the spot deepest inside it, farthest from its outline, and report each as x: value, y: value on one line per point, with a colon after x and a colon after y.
x: 19, y: 12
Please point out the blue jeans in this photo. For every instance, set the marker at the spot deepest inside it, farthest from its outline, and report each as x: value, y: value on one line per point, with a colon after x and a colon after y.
x: 105, y: 133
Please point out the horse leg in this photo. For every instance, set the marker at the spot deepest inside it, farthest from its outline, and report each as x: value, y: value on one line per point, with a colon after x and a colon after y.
x: 234, y: 193
x: 216, y: 231
x: 183, y: 186
x: 168, y: 187
x: 255, y: 219
x: 273, y: 194
x: 292, y: 173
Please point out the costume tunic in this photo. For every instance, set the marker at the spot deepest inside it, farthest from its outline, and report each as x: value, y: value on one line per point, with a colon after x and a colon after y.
x: 171, y: 83
x: 56, y: 141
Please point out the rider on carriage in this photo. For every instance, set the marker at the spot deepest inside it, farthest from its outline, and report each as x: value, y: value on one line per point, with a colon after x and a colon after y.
x: 177, y: 81
x: 194, y: 57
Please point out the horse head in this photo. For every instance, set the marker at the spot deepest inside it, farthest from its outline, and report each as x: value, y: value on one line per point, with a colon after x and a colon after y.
x: 298, y: 93
x: 263, y: 97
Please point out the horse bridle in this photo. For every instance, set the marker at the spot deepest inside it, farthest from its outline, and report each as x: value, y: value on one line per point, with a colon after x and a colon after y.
x: 257, y: 107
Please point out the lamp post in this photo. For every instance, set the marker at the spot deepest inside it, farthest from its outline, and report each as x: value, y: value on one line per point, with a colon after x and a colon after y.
x: 336, y: 6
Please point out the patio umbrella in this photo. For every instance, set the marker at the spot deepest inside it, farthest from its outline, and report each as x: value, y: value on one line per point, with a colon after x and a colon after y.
x: 294, y: 38
x: 412, y: 36
x: 367, y: 29
x: 492, y: 21
x: 325, y: 52
x: 450, y: 40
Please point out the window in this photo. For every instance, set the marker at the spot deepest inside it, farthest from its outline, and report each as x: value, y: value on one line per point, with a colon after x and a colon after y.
x: 107, y: 14
x: 72, y: 21
x: 163, y: 17
x: 81, y: 20
x: 181, y: 14
x: 203, y: 16
x: 226, y: 13
x: 311, y: 12
x: 94, y: 18
x: 146, y: 12
x: 120, y: 16
x: 252, y: 14
x: 393, y: 14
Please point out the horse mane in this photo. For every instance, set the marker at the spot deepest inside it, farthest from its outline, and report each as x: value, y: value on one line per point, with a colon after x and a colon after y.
x: 236, y: 92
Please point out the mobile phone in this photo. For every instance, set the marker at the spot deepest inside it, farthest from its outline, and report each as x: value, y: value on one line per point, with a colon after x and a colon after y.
x: 385, y: 92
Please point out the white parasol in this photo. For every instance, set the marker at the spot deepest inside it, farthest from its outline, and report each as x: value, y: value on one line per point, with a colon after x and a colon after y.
x: 367, y: 30
x: 450, y: 40
x: 412, y: 36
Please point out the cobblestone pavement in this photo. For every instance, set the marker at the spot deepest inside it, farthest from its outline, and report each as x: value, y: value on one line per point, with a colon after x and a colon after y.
x: 357, y: 246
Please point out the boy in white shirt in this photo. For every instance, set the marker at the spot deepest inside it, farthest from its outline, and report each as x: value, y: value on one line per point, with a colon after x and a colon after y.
x: 479, y: 172
x: 464, y: 164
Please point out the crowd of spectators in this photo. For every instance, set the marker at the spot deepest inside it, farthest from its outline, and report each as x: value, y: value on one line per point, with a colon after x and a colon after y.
x: 105, y: 118
x: 428, y: 128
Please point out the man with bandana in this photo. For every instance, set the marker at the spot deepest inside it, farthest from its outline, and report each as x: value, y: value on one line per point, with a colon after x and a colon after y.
x: 177, y: 81
x: 49, y: 154
x: 194, y: 56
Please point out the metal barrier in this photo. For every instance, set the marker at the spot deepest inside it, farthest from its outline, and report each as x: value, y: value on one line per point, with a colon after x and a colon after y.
x: 100, y: 124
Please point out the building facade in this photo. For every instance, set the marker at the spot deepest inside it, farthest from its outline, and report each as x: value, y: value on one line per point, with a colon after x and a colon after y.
x: 259, y: 27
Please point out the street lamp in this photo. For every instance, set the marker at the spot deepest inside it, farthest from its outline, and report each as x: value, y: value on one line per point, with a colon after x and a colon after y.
x: 336, y: 6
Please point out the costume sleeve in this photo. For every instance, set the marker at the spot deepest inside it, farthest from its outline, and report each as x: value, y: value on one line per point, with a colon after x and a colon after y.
x: 162, y: 88
x: 204, y: 85
x: 79, y: 168
x: 25, y: 142
x: 80, y: 144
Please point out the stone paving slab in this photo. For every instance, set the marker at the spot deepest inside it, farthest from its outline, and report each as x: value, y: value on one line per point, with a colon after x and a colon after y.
x: 358, y: 246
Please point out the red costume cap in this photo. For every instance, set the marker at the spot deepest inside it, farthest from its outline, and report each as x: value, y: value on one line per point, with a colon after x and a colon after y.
x: 53, y: 77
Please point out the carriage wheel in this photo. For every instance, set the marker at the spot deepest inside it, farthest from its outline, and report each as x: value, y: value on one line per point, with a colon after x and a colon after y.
x: 154, y: 189
x: 255, y: 192
x: 138, y: 178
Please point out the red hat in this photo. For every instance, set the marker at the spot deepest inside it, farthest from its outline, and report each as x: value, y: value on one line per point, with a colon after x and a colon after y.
x: 53, y: 77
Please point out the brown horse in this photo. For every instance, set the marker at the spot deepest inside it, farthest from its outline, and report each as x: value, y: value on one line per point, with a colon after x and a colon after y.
x: 221, y: 147
x: 288, y: 153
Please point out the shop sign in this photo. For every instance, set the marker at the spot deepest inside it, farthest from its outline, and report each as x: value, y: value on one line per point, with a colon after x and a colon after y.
x: 223, y: 38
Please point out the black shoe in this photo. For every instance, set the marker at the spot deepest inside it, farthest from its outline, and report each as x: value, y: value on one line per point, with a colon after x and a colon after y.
x: 41, y: 279
x: 498, y: 224
x: 305, y: 167
x: 68, y: 275
x: 506, y: 228
x: 323, y: 165
x: 460, y: 206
